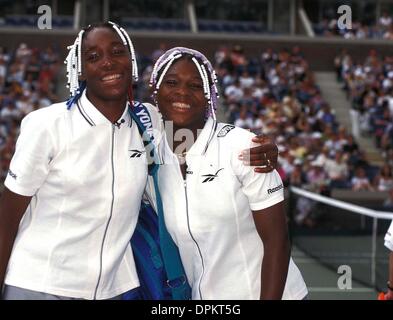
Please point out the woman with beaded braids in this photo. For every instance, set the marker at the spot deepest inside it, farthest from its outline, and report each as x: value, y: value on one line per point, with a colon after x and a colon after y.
x: 227, y: 220
x: 74, y: 186
x: 74, y: 183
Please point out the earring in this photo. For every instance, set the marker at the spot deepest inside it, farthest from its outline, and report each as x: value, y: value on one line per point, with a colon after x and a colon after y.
x: 154, y: 97
x: 207, y: 112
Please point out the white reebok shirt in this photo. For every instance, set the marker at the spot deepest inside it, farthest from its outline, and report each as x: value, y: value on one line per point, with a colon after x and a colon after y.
x: 389, y: 237
x: 209, y: 215
x: 87, y: 177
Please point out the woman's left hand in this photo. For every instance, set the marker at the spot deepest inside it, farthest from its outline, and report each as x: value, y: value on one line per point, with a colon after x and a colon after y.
x: 264, y: 157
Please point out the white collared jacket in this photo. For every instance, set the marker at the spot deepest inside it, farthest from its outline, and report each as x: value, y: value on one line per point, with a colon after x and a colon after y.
x: 86, y: 177
x: 209, y: 215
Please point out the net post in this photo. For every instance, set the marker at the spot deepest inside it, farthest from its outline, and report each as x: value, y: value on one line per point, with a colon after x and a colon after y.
x: 290, y: 213
x: 374, y: 252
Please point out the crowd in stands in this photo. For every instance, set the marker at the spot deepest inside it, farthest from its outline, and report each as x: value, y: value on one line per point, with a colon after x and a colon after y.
x: 28, y: 78
x: 383, y: 29
x: 369, y: 86
x: 276, y: 94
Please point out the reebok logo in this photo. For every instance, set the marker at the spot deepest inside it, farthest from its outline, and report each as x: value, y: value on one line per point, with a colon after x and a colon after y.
x: 136, y: 153
x: 12, y: 175
x: 269, y: 191
x: 211, y: 177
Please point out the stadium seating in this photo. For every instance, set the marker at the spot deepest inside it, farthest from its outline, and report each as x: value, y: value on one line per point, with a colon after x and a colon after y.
x: 155, y: 24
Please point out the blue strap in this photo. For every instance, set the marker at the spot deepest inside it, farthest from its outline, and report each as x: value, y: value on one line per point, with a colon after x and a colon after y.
x: 170, y: 253
x: 141, y: 116
x: 174, y: 268
x: 75, y: 98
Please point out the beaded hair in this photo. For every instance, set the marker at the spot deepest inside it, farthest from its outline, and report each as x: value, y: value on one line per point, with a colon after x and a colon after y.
x: 205, y: 69
x: 74, y: 60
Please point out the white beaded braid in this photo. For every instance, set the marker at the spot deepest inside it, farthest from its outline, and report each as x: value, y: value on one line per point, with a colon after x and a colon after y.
x: 74, y: 60
x: 205, y: 69
x: 127, y: 42
x: 170, y: 61
x: 205, y: 79
x: 133, y: 56
x: 74, y: 64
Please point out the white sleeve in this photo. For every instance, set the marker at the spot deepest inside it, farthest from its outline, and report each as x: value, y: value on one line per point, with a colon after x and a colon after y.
x: 263, y: 190
x: 30, y: 163
x: 389, y: 238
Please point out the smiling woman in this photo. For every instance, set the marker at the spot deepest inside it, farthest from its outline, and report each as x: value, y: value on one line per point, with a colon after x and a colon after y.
x: 73, y: 170
x: 181, y: 96
x: 105, y: 64
x: 106, y: 70
x: 227, y: 220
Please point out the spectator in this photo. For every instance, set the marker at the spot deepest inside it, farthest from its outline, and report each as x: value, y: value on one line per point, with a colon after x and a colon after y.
x: 360, y: 181
x: 246, y: 81
x: 317, y: 178
x: 337, y: 171
x: 385, y: 21
x: 383, y: 181
x: 297, y: 177
x: 245, y: 120
x: 234, y: 92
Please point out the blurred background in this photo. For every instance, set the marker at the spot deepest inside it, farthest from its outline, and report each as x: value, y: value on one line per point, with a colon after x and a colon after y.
x: 286, y: 69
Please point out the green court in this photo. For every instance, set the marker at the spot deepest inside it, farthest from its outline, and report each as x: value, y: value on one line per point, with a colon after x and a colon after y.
x: 322, y: 281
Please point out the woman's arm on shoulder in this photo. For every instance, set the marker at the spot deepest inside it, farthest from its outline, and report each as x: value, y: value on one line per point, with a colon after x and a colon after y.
x: 264, y: 156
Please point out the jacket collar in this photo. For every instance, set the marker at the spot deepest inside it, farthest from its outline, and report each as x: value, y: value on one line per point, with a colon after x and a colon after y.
x: 93, y: 116
x: 205, y: 137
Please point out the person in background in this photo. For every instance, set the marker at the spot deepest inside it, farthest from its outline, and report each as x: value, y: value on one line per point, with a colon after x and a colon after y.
x: 360, y: 181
